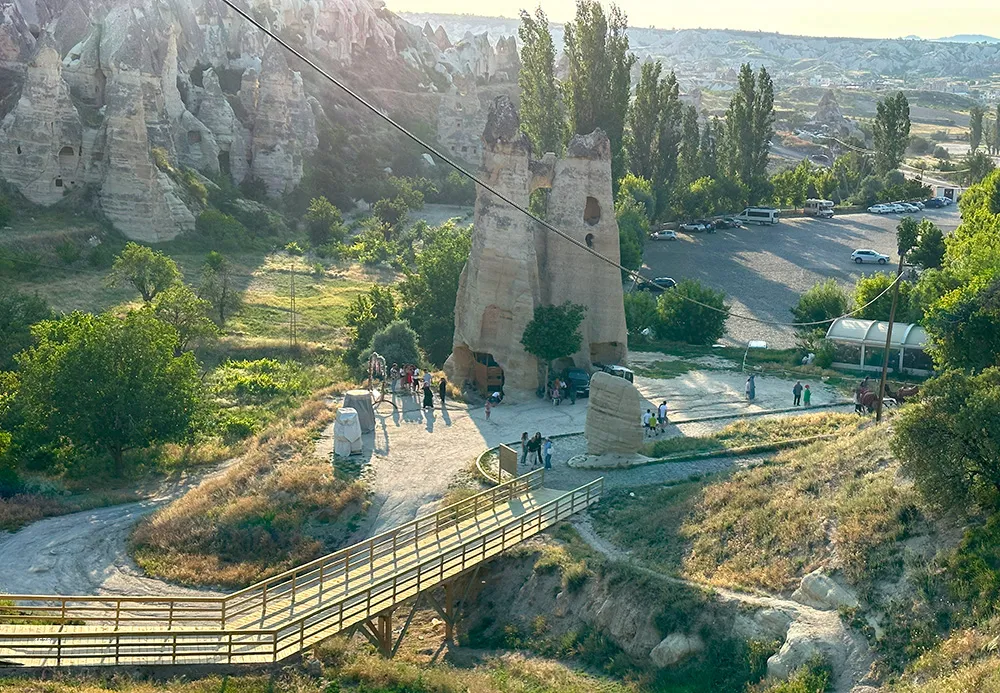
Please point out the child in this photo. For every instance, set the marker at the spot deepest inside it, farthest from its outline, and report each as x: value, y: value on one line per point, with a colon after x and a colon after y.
x: 806, y: 396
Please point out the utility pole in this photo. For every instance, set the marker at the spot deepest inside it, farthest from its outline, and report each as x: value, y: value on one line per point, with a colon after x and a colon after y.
x: 888, y: 340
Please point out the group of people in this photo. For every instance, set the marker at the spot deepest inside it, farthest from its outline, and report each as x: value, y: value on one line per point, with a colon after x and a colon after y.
x: 560, y: 389
x: 536, y: 449
x: 801, y: 395
x: 409, y: 380
x: 654, y: 424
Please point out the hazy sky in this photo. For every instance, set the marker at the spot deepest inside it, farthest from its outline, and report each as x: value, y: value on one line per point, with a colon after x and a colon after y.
x: 871, y: 18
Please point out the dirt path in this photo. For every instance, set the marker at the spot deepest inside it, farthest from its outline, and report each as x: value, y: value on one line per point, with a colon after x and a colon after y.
x: 807, y: 622
x: 85, y: 553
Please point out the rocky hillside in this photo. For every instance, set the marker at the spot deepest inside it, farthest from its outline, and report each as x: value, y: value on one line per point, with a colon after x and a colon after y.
x: 706, y: 54
x: 120, y: 96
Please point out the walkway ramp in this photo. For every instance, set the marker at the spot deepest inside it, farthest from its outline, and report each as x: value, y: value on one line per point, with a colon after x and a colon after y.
x: 283, y: 615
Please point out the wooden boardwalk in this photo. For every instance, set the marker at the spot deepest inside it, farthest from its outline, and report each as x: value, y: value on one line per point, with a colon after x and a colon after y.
x: 357, y: 587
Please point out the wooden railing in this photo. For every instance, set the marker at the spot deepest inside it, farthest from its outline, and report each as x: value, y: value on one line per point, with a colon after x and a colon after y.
x: 401, y: 543
x: 281, y: 616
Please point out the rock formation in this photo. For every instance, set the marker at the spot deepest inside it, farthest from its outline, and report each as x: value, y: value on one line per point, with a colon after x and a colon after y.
x: 95, y: 92
x: 516, y: 265
x: 831, y: 120
x: 614, y: 423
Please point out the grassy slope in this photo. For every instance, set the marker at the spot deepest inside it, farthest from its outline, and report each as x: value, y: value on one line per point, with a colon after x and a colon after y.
x: 768, y: 525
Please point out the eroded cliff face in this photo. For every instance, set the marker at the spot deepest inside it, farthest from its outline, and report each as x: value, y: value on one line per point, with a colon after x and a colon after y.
x: 123, y: 84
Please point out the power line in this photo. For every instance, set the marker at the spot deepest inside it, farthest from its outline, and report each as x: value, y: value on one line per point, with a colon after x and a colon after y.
x: 461, y: 170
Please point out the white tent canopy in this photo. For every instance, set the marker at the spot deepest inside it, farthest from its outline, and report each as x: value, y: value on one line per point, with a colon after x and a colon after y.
x: 872, y: 333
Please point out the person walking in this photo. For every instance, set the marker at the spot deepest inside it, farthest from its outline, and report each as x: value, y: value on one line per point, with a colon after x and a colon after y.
x: 572, y: 392
x: 524, y: 448
x: 806, y: 396
x: 547, y: 452
x: 394, y: 377
x: 536, y: 449
x: 662, y: 413
x: 751, y: 388
x: 443, y: 389
x: 427, y: 378
x: 428, y: 397
x: 646, y: 419
x: 797, y: 394
x: 489, y: 408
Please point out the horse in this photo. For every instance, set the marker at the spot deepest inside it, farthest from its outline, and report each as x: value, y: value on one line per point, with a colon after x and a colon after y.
x: 866, y: 401
x: 904, y: 393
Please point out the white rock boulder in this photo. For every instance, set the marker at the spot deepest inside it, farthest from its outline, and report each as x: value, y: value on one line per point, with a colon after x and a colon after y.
x: 820, y: 591
x: 675, y: 648
x: 614, y: 423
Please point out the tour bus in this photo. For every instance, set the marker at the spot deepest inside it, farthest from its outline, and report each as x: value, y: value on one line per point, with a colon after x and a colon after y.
x: 818, y: 208
x: 759, y: 215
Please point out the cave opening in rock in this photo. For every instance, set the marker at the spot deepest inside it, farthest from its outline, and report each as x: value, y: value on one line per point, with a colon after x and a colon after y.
x: 592, y: 212
x: 224, y: 163
x: 67, y: 157
x: 590, y: 240
x: 194, y: 137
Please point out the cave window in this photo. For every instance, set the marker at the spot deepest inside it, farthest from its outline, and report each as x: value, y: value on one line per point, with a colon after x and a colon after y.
x: 465, y: 149
x: 224, y: 163
x: 194, y: 137
x: 592, y: 212
x: 18, y: 149
x: 66, y: 157
x: 590, y: 240
x: 59, y: 182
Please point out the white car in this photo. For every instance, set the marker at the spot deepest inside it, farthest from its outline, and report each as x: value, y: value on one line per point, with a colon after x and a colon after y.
x: 663, y: 236
x: 879, y: 209
x: 907, y: 207
x: 862, y: 255
x: 896, y: 208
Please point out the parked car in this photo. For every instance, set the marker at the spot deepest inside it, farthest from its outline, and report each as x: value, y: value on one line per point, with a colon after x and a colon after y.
x: 917, y: 203
x: 663, y: 236
x: 728, y: 223
x: 697, y: 225
x: 947, y: 201
x: 579, y: 379
x: 879, y: 209
x: 657, y: 285
x: 934, y: 203
x: 619, y: 372
x: 895, y: 207
x: 907, y: 207
x: 862, y: 255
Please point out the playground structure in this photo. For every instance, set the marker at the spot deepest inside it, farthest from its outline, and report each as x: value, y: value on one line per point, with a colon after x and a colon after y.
x: 356, y: 589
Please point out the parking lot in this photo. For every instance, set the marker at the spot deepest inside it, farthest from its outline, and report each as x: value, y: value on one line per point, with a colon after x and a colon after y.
x: 764, y: 269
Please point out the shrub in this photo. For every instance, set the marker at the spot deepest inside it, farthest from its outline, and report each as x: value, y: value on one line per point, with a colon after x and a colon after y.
x: 68, y: 251
x: 258, y: 382
x: 684, y: 320
x: 397, y: 342
x: 324, y: 223
x: 218, y: 229
x: 941, y: 153
x: 254, y: 188
x: 641, y: 312
x: 6, y: 211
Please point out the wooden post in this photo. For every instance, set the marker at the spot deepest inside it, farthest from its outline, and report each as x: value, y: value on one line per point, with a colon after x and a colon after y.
x: 888, y: 341
x: 449, y: 610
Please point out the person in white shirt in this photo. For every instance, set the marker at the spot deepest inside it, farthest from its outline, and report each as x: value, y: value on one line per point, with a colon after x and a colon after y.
x: 427, y: 378
x: 647, y: 419
x: 662, y: 413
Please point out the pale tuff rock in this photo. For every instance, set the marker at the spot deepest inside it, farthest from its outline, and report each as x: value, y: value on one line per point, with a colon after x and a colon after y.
x: 215, y: 111
x: 820, y: 591
x: 614, y: 423
x: 830, y: 118
x: 515, y: 266
x: 284, y: 129
x: 675, y: 648
x: 803, y: 643
x: 41, y: 139
x: 16, y: 41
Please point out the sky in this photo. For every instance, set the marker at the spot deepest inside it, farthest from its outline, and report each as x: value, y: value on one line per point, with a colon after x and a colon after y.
x: 864, y: 18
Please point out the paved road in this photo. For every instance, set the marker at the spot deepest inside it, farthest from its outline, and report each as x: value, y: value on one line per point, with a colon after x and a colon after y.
x: 764, y: 269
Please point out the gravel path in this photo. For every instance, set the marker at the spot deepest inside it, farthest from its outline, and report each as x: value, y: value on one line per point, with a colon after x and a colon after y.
x: 85, y: 553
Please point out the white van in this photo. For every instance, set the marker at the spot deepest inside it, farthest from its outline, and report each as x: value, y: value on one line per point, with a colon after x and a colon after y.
x: 818, y: 208
x: 759, y: 215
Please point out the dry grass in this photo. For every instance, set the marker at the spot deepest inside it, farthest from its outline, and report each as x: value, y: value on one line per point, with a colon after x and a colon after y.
x: 769, y: 525
x: 276, y: 507
x: 763, y: 431
x: 833, y: 503
x: 966, y: 662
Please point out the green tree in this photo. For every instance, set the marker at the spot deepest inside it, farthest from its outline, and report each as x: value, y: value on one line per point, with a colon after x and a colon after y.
x: 891, y: 131
x: 949, y: 442
x: 598, y: 85
x: 397, y: 342
x: 964, y: 326
x: 871, y: 285
x: 977, y: 166
x: 688, y: 159
x: 368, y: 313
x: 668, y: 140
x: 108, y: 383
x: 429, y: 293
x: 324, y: 222
x: 930, y: 248
x: 553, y: 333
x: 542, y: 111
x: 218, y: 287
x: 633, y: 229
x: 976, y: 114
x: 791, y: 186
x: 640, y: 190
x: 18, y: 312
x: 644, y: 122
x: 749, y: 131
x: 907, y: 235
x: 220, y: 230
x: 823, y: 301
x: 693, y: 313
x: 708, y: 148
x: 182, y: 309
x: 146, y: 270
x: 641, y: 313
